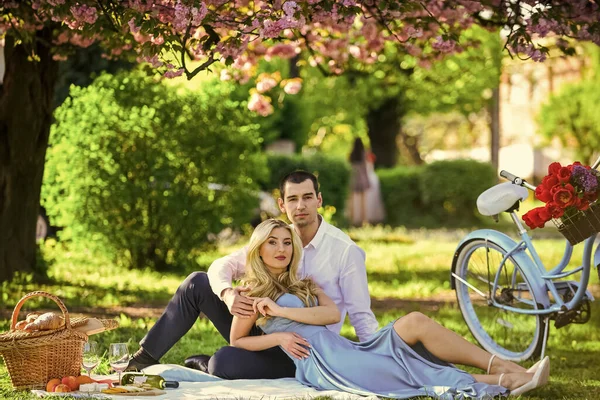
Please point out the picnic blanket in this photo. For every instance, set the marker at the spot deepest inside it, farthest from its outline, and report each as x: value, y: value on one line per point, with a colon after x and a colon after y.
x: 196, y: 385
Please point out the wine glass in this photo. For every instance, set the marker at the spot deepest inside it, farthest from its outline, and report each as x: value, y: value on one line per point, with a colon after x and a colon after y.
x: 118, y: 357
x: 91, y: 359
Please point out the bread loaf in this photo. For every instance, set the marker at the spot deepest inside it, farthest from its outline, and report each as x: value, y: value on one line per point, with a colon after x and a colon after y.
x: 46, y: 322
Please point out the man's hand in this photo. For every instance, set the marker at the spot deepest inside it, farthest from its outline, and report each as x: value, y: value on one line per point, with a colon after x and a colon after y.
x: 294, y: 344
x: 238, y: 304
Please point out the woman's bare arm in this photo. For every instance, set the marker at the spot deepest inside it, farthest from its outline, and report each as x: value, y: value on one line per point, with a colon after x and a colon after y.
x: 293, y: 343
x: 325, y: 313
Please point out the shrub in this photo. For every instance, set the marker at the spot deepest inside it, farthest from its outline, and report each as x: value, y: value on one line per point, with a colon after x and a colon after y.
x: 449, y: 189
x: 401, y: 196
x: 144, y: 172
x: 572, y: 116
x: 333, y: 174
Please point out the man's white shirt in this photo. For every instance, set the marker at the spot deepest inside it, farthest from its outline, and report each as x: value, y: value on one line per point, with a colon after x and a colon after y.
x: 333, y: 261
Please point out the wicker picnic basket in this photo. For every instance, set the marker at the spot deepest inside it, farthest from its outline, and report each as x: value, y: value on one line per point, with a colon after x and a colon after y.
x: 580, y: 226
x: 33, y: 358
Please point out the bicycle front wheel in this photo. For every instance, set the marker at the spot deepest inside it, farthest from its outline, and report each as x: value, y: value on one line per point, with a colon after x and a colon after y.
x: 509, y: 334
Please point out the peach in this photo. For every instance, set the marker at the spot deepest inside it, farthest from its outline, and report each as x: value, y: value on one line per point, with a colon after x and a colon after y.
x: 52, y: 383
x: 71, y: 382
x: 62, y: 388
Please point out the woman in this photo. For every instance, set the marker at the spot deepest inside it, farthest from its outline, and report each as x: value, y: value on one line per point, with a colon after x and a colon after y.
x: 359, y: 183
x: 292, y: 312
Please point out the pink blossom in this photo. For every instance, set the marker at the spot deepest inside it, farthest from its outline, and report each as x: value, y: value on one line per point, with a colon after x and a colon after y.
x: 444, y: 45
x: 158, y: 40
x: 59, y: 57
x: 225, y: 75
x: 133, y: 27
x: 289, y: 8
x: 281, y: 50
x: 292, y: 86
x: 154, y: 61
x: 266, y: 82
x: 84, y: 13
x: 260, y: 104
x: 171, y: 73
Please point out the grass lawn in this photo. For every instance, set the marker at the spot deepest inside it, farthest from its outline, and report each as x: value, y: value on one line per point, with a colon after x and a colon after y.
x: 408, y: 271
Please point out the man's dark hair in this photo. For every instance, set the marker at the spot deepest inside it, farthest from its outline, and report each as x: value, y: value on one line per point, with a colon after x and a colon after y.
x: 297, y: 176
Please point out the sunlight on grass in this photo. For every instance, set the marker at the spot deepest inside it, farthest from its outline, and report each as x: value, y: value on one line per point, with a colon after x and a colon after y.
x: 406, y: 269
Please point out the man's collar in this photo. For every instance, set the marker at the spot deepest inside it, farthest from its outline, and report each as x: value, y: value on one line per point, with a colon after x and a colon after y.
x: 320, y: 232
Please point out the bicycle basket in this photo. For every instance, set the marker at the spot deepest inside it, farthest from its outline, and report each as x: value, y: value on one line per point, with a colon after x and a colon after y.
x: 581, y: 225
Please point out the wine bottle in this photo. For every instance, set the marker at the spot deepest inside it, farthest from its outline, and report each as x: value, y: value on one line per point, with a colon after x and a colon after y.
x: 138, y: 378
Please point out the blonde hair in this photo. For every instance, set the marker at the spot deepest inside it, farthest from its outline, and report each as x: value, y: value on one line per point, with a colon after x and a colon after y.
x: 259, y: 279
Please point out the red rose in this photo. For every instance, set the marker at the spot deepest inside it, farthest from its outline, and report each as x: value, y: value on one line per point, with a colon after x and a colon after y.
x: 555, y: 189
x: 527, y: 219
x: 583, y: 205
x: 550, y: 181
x: 544, y: 215
x: 564, y: 175
x: 543, y: 194
x: 553, y: 168
x: 590, y: 197
x: 565, y: 197
x: 555, y: 210
x: 536, y: 218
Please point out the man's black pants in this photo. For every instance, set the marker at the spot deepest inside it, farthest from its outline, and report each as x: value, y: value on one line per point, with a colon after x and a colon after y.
x: 194, y: 296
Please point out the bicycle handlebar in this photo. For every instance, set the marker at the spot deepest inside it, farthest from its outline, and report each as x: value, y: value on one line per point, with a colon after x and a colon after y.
x: 596, y: 164
x: 516, y: 180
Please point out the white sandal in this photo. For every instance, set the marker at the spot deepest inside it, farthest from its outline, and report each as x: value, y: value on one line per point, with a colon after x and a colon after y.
x: 540, y: 378
x: 490, y: 365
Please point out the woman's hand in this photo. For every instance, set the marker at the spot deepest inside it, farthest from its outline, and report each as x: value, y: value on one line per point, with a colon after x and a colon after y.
x: 266, y: 306
x: 294, y: 344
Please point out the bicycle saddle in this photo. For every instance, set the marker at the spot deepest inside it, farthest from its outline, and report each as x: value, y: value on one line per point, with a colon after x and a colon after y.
x: 500, y: 198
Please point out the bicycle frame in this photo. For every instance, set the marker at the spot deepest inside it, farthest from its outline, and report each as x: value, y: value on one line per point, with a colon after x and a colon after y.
x: 548, y: 277
x: 541, y: 280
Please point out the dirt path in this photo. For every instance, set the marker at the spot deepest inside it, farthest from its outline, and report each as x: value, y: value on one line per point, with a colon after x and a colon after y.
x: 446, y: 298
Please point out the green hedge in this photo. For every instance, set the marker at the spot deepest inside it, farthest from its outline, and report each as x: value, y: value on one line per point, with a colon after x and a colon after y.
x: 449, y: 189
x: 333, y: 174
x: 401, y: 196
x: 145, y: 172
x: 443, y: 193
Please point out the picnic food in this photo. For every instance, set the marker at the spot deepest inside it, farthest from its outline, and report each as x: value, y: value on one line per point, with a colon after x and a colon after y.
x: 22, y: 325
x: 71, y: 382
x: 61, y: 388
x: 127, y: 389
x: 93, y: 387
x: 81, y: 379
x: 52, y: 384
x: 31, y: 317
x: 46, y: 322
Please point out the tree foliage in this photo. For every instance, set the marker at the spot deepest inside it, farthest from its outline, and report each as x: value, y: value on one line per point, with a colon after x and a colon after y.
x: 170, y: 32
x: 145, y: 172
x: 572, y: 116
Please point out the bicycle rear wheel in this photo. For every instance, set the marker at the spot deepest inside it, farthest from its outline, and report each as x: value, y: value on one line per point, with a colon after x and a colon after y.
x: 510, y: 335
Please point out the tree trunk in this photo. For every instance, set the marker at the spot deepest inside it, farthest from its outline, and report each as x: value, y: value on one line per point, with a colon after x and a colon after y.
x: 411, y: 144
x: 25, y: 119
x: 383, y: 125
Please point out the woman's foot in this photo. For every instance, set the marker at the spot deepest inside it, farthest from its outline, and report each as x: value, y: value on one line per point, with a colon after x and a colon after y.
x: 540, y: 378
x: 496, y: 365
x: 514, y: 380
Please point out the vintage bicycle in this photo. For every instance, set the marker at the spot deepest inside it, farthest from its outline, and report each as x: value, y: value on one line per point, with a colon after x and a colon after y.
x: 506, y: 295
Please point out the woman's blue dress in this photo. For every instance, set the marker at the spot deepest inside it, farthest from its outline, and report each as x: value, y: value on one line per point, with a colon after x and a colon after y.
x: 384, y: 365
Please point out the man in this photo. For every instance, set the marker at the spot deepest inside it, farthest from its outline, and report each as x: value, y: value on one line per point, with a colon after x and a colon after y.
x: 330, y: 257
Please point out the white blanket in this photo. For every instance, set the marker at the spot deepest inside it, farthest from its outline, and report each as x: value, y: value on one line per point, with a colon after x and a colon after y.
x: 196, y: 385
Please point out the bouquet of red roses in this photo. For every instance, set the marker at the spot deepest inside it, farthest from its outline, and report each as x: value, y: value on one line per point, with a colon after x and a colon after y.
x: 566, y: 191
